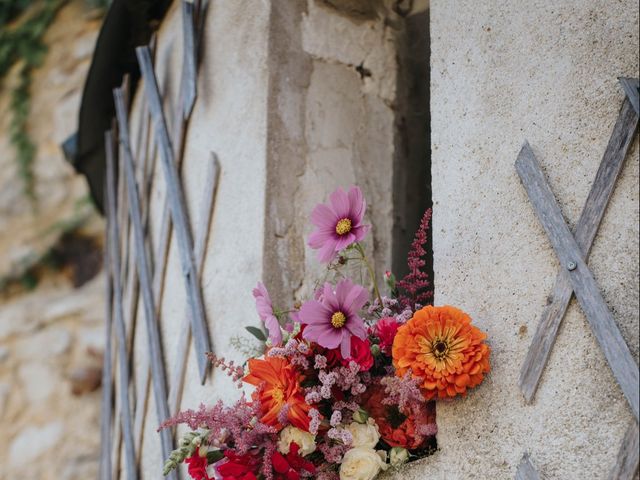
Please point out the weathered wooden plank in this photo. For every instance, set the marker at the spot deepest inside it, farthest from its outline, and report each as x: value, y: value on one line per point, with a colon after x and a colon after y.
x: 202, y: 234
x: 604, y: 327
x: 626, y: 466
x: 585, y: 232
x: 631, y: 87
x: 526, y: 470
x: 188, y: 80
x: 106, y: 416
x: 123, y: 358
x: 155, y: 348
x: 178, y: 210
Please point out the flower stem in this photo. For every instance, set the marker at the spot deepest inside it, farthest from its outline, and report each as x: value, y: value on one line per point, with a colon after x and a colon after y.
x: 371, y: 272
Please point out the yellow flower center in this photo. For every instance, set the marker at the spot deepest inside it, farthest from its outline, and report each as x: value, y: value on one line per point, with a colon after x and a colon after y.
x: 343, y: 226
x: 338, y: 320
x: 278, y: 394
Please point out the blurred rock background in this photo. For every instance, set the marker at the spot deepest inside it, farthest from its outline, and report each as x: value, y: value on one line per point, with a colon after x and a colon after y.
x: 51, y: 287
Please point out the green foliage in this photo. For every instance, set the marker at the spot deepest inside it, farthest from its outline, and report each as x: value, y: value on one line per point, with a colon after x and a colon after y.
x: 256, y: 332
x: 22, y: 27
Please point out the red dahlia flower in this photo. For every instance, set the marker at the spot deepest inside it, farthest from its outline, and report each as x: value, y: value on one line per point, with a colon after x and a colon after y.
x: 360, y: 353
x: 386, y: 329
x: 197, y: 466
x: 290, y: 466
x: 239, y: 467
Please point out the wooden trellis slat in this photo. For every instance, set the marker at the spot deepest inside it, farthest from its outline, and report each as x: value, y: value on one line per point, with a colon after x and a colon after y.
x: 202, y: 234
x: 162, y: 248
x: 631, y: 87
x: 178, y: 211
x: 106, y: 417
x: 189, y: 76
x: 151, y: 321
x: 584, y: 285
x: 123, y: 358
x: 526, y: 470
x: 626, y: 466
x: 585, y: 232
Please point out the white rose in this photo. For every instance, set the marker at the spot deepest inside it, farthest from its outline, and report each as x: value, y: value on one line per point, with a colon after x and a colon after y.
x: 364, y: 434
x: 361, y: 463
x: 305, y: 440
x: 398, y: 456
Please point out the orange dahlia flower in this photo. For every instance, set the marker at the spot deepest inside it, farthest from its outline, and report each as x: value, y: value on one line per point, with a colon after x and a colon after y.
x: 279, y: 387
x: 440, y: 346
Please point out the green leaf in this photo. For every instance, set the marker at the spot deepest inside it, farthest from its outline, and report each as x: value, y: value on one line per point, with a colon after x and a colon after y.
x: 256, y: 332
x: 214, y: 455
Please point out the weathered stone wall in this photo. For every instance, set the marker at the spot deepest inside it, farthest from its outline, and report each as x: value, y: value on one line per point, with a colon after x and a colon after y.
x: 305, y: 105
x: 51, y: 335
x: 545, y: 71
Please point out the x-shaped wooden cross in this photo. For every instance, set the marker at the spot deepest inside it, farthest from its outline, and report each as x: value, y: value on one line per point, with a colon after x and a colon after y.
x: 575, y: 276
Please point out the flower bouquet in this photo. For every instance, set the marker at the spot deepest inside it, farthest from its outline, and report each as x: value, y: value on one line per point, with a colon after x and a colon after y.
x: 346, y: 383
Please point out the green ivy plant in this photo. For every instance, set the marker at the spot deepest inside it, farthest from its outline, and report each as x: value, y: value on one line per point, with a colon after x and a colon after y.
x: 22, y: 27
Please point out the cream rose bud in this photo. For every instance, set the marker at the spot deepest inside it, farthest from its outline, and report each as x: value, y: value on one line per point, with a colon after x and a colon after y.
x: 361, y: 463
x: 398, y: 456
x: 305, y: 440
x: 364, y: 434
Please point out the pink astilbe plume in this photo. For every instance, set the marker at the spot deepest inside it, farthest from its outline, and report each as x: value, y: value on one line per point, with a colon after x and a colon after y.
x: 415, y: 287
x: 229, y: 426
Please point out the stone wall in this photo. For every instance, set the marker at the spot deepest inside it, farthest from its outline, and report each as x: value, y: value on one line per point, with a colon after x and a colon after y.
x: 307, y: 104
x: 545, y: 71
x: 51, y: 301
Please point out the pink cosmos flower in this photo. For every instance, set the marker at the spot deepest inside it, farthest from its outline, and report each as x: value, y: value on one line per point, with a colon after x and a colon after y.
x: 338, y: 224
x: 334, y: 319
x: 265, y: 311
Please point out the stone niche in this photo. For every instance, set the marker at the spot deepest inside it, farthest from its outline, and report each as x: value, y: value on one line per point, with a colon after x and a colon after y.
x: 295, y: 99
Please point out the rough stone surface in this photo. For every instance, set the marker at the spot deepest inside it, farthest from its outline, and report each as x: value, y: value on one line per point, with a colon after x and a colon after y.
x: 33, y: 442
x: 45, y: 431
x: 290, y: 118
x: 544, y: 71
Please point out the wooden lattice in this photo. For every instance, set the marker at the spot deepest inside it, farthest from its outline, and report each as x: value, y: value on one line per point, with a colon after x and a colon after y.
x: 134, y: 267
x: 575, y: 277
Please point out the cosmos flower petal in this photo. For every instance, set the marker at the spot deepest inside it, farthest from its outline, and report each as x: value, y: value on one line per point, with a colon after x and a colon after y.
x: 324, y: 335
x: 356, y: 326
x: 324, y: 217
x: 356, y: 298
x: 357, y: 203
x: 342, y: 290
x: 340, y: 203
x: 330, y: 299
x: 318, y: 238
x: 328, y: 251
x: 345, y: 346
x: 313, y: 312
x: 264, y: 307
x: 344, y: 241
x: 360, y: 231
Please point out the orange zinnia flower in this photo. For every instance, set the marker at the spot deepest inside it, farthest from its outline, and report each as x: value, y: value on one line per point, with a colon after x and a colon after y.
x: 279, y: 387
x: 440, y: 346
